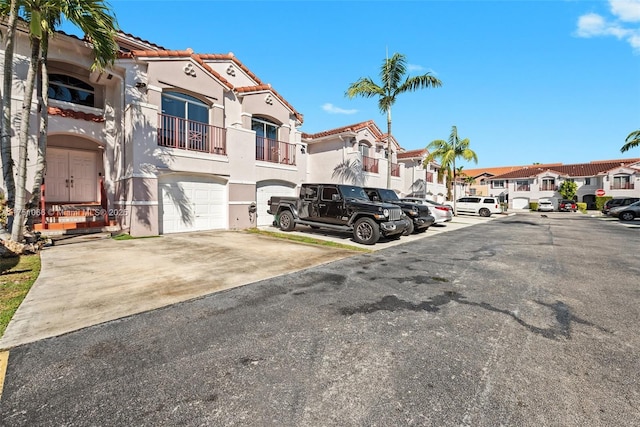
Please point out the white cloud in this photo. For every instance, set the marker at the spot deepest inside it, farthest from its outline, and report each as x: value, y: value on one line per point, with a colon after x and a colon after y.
x: 624, y: 11
x: 413, y: 67
x: 332, y: 109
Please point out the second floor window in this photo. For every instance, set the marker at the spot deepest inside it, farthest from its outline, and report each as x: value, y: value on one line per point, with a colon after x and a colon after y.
x: 69, y: 89
x: 622, y: 183
x: 264, y: 129
x: 497, y: 183
x: 364, y: 149
x: 522, y: 185
x: 185, y: 107
x: 587, y: 181
x: 548, y: 184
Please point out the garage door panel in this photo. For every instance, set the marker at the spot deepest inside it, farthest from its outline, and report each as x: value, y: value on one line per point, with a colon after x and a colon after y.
x: 193, y: 204
x: 264, y: 191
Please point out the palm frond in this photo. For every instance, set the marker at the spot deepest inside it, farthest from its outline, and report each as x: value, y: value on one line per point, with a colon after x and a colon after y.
x: 632, y: 141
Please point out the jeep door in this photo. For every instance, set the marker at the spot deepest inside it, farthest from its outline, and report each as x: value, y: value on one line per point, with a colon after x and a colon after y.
x: 331, y: 206
x: 309, y: 202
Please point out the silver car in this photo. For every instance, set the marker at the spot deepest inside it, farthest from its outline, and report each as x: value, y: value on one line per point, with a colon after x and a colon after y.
x: 441, y: 213
x: 626, y: 213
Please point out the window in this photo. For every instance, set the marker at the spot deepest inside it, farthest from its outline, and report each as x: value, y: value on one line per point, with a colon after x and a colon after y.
x: 329, y: 192
x: 266, y: 139
x: 489, y: 201
x: 499, y: 183
x: 310, y: 192
x: 622, y: 183
x: 522, y: 185
x: 587, y: 181
x: 364, y: 149
x: 70, y: 89
x: 472, y: 191
x: 548, y: 184
x: 184, y: 122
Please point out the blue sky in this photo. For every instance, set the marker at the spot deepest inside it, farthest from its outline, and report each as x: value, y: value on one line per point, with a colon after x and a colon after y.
x: 525, y: 81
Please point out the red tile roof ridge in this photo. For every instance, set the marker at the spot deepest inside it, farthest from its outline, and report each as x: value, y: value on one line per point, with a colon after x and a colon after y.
x: 413, y: 153
x: 267, y: 87
x: 230, y: 56
x: 141, y: 39
x: 64, y: 112
x: 349, y: 128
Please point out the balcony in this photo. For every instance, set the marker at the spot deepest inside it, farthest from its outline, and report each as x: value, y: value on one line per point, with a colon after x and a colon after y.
x: 270, y: 150
x: 622, y: 186
x: 548, y: 188
x: 369, y: 164
x: 395, y: 169
x: 183, y: 134
x: 523, y: 187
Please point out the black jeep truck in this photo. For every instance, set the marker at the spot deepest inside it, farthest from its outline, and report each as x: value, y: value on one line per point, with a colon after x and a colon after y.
x: 339, y: 207
x: 419, y: 214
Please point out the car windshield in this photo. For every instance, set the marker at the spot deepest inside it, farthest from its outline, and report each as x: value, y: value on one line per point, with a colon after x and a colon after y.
x: 388, y: 194
x: 350, y: 191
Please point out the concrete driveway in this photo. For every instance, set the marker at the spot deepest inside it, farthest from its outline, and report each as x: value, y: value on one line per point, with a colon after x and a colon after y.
x: 94, y: 280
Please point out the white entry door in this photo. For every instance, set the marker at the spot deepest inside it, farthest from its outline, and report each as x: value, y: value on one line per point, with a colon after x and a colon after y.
x: 71, y: 176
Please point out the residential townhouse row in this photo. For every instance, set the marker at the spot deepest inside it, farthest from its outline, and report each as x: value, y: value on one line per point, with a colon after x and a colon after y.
x: 169, y: 141
x: 520, y: 185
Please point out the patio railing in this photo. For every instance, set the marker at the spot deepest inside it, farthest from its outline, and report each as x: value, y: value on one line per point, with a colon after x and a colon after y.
x: 271, y: 150
x: 176, y: 132
x: 369, y: 164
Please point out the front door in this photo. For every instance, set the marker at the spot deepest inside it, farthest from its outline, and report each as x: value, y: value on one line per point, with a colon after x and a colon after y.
x: 71, y: 176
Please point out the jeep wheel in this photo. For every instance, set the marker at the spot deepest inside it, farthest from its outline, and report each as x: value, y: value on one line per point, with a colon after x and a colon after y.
x: 409, y: 230
x: 366, y: 231
x: 286, y: 221
x: 485, y: 212
x: 627, y: 216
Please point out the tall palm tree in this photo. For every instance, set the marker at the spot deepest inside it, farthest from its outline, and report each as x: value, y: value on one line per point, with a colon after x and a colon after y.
x: 10, y: 10
x: 393, y: 83
x: 447, y: 152
x: 99, y: 25
x: 633, y: 140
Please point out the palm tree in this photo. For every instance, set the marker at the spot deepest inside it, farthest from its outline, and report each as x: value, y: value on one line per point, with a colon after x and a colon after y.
x: 633, y: 140
x: 11, y: 11
x: 96, y: 20
x: 447, y: 152
x: 392, y: 73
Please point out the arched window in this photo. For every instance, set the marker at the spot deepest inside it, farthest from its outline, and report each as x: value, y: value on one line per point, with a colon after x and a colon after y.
x: 70, y: 89
x: 267, y: 145
x: 184, y: 123
x: 364, y: 149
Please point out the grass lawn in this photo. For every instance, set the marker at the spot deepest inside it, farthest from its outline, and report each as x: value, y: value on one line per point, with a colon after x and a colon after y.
x: 308, y: 240
x: 17, y: 277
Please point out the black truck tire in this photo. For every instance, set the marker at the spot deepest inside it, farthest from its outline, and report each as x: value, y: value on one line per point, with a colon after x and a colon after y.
x: 286, y: 221
x: 366, y: 231
x: 409, y: 230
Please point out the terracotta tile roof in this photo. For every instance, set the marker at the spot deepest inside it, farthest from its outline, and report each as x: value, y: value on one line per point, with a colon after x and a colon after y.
x: 200, y: 59
x: 475, y: 172
x: 55, y: 111
x: 230, y: 56
x: 267, y: 87
x: 370, y: 124
x: 575, y: 170
x: 147, y: 42
x: 413, y: 153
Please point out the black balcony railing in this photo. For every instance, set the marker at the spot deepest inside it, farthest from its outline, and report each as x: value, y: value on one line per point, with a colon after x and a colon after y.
x: 271, y: 150
x: 176, y: 132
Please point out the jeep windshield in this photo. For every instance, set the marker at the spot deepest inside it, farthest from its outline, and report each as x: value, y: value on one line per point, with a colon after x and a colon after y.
x: 388, y: 195
x: 352, y: 192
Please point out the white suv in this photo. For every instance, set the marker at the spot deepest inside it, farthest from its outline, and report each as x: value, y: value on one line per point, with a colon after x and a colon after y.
x: 483, y: 206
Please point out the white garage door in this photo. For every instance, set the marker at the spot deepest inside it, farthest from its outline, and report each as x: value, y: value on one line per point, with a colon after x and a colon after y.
x: 264, y: 191
x: 520, y: 203
x: 193, y: 204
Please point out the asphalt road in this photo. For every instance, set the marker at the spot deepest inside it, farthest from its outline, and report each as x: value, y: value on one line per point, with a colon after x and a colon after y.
x: 522, y: 321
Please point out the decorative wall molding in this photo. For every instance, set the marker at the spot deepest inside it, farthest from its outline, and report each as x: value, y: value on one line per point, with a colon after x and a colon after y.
x: 190, y: 70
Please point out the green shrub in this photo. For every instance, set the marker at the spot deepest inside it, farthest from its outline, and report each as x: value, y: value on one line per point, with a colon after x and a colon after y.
x: 582, y: 207
x: 533, y: 206
x: 600, y: 201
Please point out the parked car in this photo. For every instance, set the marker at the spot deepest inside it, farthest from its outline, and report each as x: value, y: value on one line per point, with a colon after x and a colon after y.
x: 618, y: 201
x: 626, y: 213
x: 420, y: 215
x: 545, y: 205
x: 441, y: 213
x: 565, y: 205
x: 479, y: 205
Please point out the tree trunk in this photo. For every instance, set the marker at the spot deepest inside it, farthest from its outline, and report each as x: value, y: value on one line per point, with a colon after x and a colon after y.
x: 43, y: 106
x: 390, y: 159
x: 17, y: 229
x: 5, y: 145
